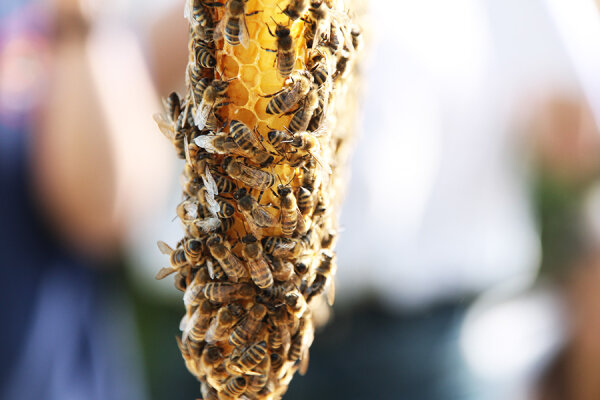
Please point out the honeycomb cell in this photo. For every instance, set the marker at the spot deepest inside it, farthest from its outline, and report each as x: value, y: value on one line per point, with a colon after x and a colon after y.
x: 270, y: 82
x: 237, y: 92
x: 249, y: 74
x: 260, y: 108
x: 246, y: 56
x: 246, y: 116
x: 230, y: 67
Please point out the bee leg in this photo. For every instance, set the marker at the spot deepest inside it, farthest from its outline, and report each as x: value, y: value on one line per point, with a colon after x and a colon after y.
x: 266, y: 96
x: 270, y: 50
x: 253, y: 13
x: 214, y: 4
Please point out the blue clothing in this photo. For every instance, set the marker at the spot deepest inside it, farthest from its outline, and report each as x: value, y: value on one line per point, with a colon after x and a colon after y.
x: 65, y: 329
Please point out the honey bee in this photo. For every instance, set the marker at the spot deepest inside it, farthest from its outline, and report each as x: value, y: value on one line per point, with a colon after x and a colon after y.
x: 306, y: 142
x: 282, y: 270
x: 304, y: 199
x: 190, y: 362
x: 248, y: 175
x: 279, y: 140
x: 319, y: 23
x: 260, y: 376
x: 301, y: 342
x: 282, y: 247
x: 224, y: 185
x: 212, y: 355
x: 196, y: 157
x: 301, y: 268
x: 167, y: 121
x: 321, y: 206
x: 248, y: 142
x: 289, y: 210
x: 356, y: 35
x: 197, y: 83
x: 304, y: 113
x: 260, y: 272
x: 235, y: 386
x: 197, y: 325
x: 310, y: 177
x: 226, y: 209
x: 220, y: 326
x: 289, y: 96
x: 193, y: 251
x: 233, y: 24
x: 212, y: 98
x: 320, y: 111
x: 191, y: 186
x: 328, y: 240
x: 295, y: 303
x: 205, y: 56
x: 196, y: 14
x: 218, y: 144
x: 295, y: 9
x: 223, y: 292
x: 286, y: 54
x: 326, y: 269
x: 176, y: 257
x: 249, y: 326
x: 249, y: 359
x: 209, y: 393
x: 255, y: 213
x: 221, y: 251
x: 192, y: 297
x: 276, y: 363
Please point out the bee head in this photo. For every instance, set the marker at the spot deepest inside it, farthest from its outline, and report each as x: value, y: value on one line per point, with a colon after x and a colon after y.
x: 249, y: 238
x: 195, y: 245
x: 240, y: 193
x: 301, y: 268
x: 282, y: 31
x: 283, y: 190
x: 226, y: 162
x: 214, y: 240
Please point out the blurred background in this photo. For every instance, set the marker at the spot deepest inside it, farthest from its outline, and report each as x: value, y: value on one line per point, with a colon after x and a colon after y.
x: 469, y: 255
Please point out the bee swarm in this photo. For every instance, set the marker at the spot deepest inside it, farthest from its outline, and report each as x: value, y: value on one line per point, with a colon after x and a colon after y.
x: 265, y: 143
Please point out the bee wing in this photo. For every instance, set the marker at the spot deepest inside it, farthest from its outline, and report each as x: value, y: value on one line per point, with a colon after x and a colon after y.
x: 321, y: 32
x: 244, y: 36
x: 192, y: 291
x: 164, y: 272
x: 164, y: 248
x: 264, y: 217
x: 301, y: 222
x: 321, y: 130
x: 206, y: 142
x: 307, y: 339
x: 186, y: 148
x: 183, y: 323
x: 188, y: 12
x: 208, y: 224
x: 220, y: 28
x: 211, y: 331
x: 330, y: 290
x: 317, y: 156
x: 165, y: 126
x: 237, y: 266
x: 201, y: 116
x: 286, y: 339
x: 188, y: 325
x: 209, y: 183
x: 210, y: 268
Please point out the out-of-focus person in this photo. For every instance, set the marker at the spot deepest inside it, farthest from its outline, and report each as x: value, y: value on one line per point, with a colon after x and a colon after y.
x: 78, y: 168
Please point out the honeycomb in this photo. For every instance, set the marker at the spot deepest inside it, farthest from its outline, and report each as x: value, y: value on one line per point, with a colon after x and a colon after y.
x: 260, y: 214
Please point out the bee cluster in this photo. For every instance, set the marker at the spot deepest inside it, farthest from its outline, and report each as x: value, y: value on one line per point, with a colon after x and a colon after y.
x: 257, y: 128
